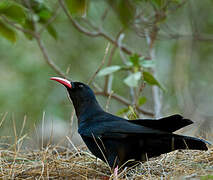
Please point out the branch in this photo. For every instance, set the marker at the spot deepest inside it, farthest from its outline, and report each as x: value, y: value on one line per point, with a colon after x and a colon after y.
x: 32, y: 33
x: 101, y: 65
x: 48, y: 60
x: 94, y: 33
x: 123, y: 101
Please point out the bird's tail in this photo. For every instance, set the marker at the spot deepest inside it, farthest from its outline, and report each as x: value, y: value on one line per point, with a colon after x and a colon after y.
x: 187, y: 142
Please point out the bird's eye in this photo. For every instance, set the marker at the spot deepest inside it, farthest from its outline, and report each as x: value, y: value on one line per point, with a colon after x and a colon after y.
x: 80, y: 86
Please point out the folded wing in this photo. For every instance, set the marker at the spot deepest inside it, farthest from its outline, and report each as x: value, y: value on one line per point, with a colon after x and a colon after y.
x: 167, y: 124
x: 111, y: 126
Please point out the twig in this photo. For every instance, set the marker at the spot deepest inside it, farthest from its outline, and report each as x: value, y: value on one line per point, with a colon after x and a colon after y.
x: 73, y: 145
x: 108, y: 101
x: 101, y: 65
x: 107, y: 84
x: 3, y: 118
x: 108, y: 78
x: 42, y: 131
x: 37, y: 36
x: 75, y: 24
x: 131, y: 89
x: 17, y: 27
x: 23, y: 125
x: 48, y: 60
x: 50, y: 20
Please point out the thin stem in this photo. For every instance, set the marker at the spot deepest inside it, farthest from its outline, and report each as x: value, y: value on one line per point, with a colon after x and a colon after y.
x: 101, y: 65
x: 107, y: 84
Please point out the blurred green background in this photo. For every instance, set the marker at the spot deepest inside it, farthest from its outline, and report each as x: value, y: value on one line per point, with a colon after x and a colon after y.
x: 183, y: 51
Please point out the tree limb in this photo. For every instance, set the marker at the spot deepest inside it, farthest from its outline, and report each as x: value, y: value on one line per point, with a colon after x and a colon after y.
x: 94, y: 33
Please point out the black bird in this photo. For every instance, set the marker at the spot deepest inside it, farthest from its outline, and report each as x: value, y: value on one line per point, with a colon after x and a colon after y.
x: 116, y: 140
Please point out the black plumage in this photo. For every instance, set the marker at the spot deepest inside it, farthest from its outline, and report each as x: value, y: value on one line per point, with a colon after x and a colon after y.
x: 116, y: 140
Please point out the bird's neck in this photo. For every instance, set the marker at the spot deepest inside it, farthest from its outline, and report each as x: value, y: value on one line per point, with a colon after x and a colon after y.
x: 86, y: 109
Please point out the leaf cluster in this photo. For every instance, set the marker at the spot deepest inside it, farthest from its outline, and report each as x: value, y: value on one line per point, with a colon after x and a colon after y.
x: 20, y: 13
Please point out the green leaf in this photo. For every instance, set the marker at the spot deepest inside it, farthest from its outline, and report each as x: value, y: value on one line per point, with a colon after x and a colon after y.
x: 142, y: 100
x: 132, y: 79
x: 7, y: 32
x: 44, y: 15
x: 4, y: 4
x: 78, y: 7
x: 13, y: 11
x: 122, y: 111
x: 134, y: 59
x: 109, y: 70
x: 51, y: 30
x: 131, y: 114
x: 124, y: 9
x: 150, y: 79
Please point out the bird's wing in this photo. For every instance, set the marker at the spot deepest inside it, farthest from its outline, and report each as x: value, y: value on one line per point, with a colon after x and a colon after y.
x: 168, y: 124
x: 111, y: 126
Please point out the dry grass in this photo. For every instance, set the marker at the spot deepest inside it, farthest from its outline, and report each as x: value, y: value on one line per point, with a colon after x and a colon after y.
x: 66, y: 164
x: 17, y: 162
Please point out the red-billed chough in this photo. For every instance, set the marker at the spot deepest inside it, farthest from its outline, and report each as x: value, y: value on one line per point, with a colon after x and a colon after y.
x: 116, y: 140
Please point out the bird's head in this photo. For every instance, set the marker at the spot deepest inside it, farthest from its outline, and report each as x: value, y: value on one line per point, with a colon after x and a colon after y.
x: 80, y: 94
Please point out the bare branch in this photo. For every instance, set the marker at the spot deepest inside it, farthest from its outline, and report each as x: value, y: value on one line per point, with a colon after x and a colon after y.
x: 108, y: 78
x: 47, y: 58
x: 41, y: 46
x: 94, y: 33
x: 101, y: 65
x: 75, y: 24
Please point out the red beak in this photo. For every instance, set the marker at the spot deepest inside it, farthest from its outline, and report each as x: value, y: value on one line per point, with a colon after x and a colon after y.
x: 62, y: 81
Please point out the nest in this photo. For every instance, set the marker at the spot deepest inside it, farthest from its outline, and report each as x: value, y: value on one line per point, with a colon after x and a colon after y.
x: 61, y: 163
